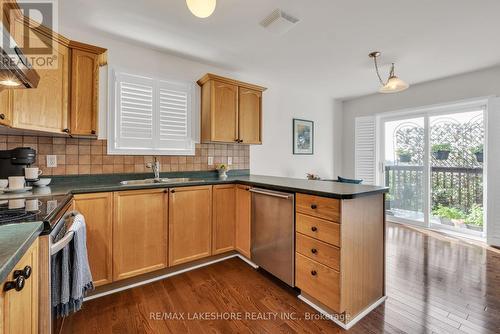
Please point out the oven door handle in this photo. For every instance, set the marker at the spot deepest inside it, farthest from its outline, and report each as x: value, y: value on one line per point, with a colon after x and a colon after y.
x: 55, y: 248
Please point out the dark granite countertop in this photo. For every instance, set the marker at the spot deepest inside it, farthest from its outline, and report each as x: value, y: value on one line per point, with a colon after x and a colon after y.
x: 90, y: 184
x: 15, y: 239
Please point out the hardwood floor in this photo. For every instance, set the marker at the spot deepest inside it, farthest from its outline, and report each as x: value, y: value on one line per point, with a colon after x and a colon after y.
x: 435, y: 284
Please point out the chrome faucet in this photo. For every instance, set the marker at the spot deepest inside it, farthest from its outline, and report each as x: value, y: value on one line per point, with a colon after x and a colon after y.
x: 155, y: 166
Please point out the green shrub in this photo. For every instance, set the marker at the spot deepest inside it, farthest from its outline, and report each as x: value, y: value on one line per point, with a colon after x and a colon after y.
x: 475, y: 216
x: 448, y: 212
x: 477, y: 149
x: 441, y: 147
x: 401, y: 151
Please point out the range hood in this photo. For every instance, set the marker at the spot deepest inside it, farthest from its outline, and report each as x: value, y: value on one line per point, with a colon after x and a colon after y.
x: 15, y: 69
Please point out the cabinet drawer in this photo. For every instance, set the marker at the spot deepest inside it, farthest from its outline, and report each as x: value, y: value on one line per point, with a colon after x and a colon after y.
x: 320, y: 229
x: 318, y: 251
x: 317, y: 206
x: 318, y: 281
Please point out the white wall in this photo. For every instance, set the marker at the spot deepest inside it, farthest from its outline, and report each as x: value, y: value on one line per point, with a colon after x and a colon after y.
x: 470, y: 85
x: 280, y: 105
x: 465, y: 86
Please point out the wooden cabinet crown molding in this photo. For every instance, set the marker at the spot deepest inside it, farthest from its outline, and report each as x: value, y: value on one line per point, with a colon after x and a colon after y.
x: 209, y: 76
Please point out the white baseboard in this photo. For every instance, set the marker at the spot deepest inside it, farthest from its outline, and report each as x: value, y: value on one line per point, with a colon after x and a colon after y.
x: 333, y: 318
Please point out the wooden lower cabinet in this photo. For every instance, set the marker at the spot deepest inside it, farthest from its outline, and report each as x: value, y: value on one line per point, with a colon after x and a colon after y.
x: 340, y: 252
x: 98, y: 212
x: 190, y: 224
x: 243, y: 220
x: 224, y: 217
x: 139, y: 232
x: 19, y: 309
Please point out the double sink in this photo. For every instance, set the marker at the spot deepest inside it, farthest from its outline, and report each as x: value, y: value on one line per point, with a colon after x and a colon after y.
x: 159, y: 181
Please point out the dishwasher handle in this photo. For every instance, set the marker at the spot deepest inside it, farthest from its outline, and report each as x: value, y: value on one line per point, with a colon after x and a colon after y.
x: 271, y: 193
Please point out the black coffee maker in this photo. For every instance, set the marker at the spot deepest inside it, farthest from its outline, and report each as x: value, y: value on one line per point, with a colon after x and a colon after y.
x: 13, y: 162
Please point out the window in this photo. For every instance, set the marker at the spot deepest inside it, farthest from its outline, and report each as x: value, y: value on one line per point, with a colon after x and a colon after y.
x: 150, y: 116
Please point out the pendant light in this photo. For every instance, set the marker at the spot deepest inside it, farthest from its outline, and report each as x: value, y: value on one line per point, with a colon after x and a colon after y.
x: 201, y: 8
x: 393, y: 83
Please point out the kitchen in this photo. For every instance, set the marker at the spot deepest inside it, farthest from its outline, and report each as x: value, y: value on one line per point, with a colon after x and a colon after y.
x: 185, y: 181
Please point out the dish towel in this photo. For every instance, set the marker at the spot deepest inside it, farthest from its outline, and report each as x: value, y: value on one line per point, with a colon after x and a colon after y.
x: 71, y: 276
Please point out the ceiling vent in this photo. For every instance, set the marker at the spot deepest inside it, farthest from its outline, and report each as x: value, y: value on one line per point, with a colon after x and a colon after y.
x: 279, y: 22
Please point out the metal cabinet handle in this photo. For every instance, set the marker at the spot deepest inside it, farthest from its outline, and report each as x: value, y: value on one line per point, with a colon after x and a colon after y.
x: 2, y: 116
x: 314, y: 206
x: 66, y: 130
x: 93, y: 132
x: 314, y: 228
x: 313, y: 272
x: 26, y: 272
x: 172, y: 191
x: 314, y: 250
x: 268, y: 193
x: 17, y: 284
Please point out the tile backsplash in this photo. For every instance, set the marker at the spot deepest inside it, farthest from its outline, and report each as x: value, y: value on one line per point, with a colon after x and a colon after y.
x: 89, y: 156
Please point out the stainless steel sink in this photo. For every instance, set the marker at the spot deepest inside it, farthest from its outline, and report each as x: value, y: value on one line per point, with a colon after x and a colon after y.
x: 161, y: 180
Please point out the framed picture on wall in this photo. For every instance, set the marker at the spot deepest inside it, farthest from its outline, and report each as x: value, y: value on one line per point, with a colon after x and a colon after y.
x: 303, y: 136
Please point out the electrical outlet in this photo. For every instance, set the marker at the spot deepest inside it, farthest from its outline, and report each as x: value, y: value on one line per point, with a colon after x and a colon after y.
x: 51, y: 160
x: 229, y: 160
x: 210, y: 161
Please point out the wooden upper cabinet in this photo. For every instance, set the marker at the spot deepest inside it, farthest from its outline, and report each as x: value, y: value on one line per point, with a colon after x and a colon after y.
x: 231, y: 111
x: 19, y: 309
x: 45, y: 108
x: 84, y: 93
x: 243, y: 220
x: 66, y: 98
x: 224, y: 215
x: 190, y: 224
x: 139, y: 232
x: 250, y: 109
x: 98, y: 211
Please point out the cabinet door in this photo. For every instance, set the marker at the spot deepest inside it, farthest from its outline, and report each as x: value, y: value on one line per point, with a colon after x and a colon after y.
x: 98, y: 213
x: 20, y: 308
x: 44, y: 108
x: 224, y: 112
x: 249, y: 113
x: 6, y: 107
x: 190, y: 224
x: 139, y: 232
x: 84, y: 92
x: 224, y: 216
x: 243, y: 220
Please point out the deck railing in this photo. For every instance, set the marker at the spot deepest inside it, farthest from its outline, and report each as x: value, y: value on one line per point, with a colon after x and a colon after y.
x: 458, y: 187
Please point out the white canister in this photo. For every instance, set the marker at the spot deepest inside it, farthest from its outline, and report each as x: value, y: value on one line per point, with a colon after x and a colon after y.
x: 16, y: 182
x: 16, y: 203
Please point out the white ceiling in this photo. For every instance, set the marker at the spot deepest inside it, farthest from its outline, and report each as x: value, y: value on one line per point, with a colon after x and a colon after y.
x: 326, y: 51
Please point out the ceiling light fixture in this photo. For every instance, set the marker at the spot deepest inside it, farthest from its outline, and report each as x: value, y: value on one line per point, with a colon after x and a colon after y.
x: 201, y: 8
x: 393, y: 83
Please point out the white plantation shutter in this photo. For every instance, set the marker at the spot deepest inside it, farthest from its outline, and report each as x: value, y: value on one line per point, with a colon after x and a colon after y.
x: 151, y: 116
x: 175, y: 110
x: 365, y: 156
x: 134, y: 117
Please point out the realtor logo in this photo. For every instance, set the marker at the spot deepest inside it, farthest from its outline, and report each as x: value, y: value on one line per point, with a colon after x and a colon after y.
x: 32, y: 26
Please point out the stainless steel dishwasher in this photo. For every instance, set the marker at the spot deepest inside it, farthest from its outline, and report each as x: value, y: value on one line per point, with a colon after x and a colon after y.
x: 273, y: 246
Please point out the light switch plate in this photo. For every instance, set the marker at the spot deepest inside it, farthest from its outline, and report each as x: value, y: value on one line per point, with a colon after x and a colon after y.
x: 210, y: 161
x: 229, y: 160
x: 52, y: 161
